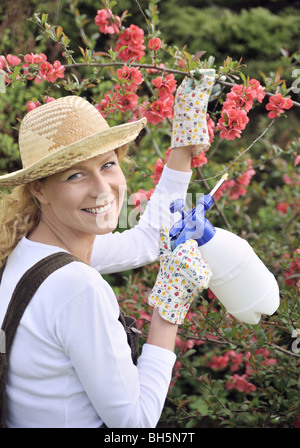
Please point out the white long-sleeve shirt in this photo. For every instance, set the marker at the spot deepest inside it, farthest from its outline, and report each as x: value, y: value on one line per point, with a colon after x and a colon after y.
x: 70, y: 363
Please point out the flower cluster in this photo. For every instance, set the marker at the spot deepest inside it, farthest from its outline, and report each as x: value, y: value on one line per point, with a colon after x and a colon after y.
x: 154, y: 44
x: 236, y: 188
x: 290, y: 267
x: 293, y: 181
x: 123, y: 96
x: 240, y: 383
x: 108, y: 22
x: 222, y: 362
x: 235, y: 362
x: 10, y: 60
x: 46, y: 70
x: 34, y: 104
x: 132, y: 39
x: 140, y: 199
x: 277, y: 105
x: 163, y: 107
x: 36, y: 67
x: 238, y: 102
x: 7, y: 64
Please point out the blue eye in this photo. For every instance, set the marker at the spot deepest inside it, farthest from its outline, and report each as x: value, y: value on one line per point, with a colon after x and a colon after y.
x: 74, y: 176
x: 108, y: 165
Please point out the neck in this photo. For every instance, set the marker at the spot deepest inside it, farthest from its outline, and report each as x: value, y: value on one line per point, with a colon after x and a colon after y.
x: 79, y: 245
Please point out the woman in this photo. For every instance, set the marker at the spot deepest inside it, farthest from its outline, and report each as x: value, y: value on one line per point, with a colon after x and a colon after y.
x: 70, y: 363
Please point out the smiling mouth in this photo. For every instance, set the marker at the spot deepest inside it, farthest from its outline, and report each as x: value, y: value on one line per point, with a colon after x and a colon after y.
x: 98, y: 210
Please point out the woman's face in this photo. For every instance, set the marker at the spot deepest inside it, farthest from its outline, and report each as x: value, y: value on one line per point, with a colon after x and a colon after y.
x: 86, y: 198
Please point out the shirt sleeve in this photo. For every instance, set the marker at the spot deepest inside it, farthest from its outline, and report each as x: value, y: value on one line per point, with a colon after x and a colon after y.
x: 137, y: 244
x: 123, y: 395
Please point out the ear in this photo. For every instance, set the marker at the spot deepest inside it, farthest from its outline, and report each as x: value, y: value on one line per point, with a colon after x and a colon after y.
x: 37, y: 190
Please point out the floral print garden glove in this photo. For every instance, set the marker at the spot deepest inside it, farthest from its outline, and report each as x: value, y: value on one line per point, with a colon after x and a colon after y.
x: 182, y: 276
x: 190, y: 107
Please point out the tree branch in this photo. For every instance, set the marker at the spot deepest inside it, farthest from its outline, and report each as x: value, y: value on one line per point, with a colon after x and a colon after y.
x: 154, y: 67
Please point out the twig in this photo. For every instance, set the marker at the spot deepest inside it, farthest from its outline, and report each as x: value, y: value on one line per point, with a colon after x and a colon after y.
x: 143, y: 14
x: 154, y: 143
x: 240, y: 155
x: 283, y: 350
x: 121, y: 64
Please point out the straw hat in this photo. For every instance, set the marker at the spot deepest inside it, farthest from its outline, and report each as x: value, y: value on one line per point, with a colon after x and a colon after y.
x: 59, y: 134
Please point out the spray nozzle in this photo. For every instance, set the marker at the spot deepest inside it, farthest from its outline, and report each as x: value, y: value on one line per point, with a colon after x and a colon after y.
x: 193, y: 224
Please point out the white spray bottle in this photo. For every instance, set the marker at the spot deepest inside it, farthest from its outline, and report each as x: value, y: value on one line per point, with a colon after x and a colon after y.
x: 240, y: 280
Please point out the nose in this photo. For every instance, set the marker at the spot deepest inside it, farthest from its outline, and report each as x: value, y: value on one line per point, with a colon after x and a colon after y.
x: 99, y: 185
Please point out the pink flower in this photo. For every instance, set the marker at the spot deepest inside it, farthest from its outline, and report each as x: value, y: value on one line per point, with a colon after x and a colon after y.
x: 247, y: 175
x: 108, y: 23
x: 240, y: 383
x: 218, y: 362
x: 257, y: 90
x: 238, y: 98
x: 238, y: 102
x: 32, y: 105
x: 235, y: 188
x: 232, y: 122
x: 154, y: 44
x: 158, y: 111
x: 199, y: 160
x: 141, y: 198
x: 7, y: 64
x: 282, y: 207
x: 13, y: 60
x: 48, y: 71
x: 277, y: 104
x: 2, y: 62
x: 158, y: 169
x: 236, y: 191
x: 210, y: 128
x: 181, y: 63
x: 133, y: 39
x: 51, y: 72
x: 48, y: 99
x: 236, y: 359
x: 166, y: 87
x: 58, y: 69
x: 34, y: 58
x: 127, y: 101
x: 132, y: 75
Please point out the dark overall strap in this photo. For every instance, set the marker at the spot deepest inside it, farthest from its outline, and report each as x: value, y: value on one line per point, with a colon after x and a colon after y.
x: 26, y: 288
x: 23, y: 293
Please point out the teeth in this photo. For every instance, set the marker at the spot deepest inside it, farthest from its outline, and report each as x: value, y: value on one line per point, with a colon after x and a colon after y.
x: 99, y: 209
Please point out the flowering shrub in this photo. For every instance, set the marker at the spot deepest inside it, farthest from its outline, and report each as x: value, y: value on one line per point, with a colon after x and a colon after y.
x: 227, y: 373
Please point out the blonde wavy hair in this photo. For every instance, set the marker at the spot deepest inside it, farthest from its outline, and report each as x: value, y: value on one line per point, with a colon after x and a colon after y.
x: 19, y: 215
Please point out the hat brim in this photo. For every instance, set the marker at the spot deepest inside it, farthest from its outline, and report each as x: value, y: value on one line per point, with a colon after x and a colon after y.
x: 84, y: 149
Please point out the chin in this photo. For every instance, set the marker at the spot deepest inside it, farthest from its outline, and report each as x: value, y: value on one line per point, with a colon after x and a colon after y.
x: 105, y: 226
